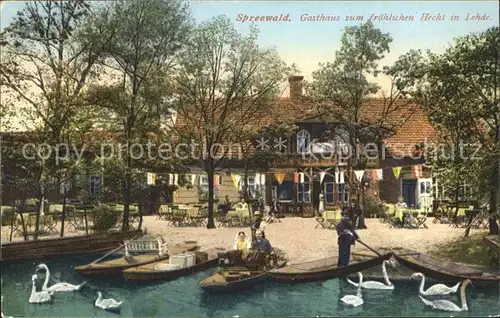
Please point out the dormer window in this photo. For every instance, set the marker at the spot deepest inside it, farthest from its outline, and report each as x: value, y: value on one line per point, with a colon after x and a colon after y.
x: 303, y: 141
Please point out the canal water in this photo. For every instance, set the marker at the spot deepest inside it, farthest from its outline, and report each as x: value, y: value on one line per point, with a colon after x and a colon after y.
x: 184, y: 297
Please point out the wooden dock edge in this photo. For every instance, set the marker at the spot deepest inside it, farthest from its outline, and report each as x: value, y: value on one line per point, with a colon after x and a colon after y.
x: 71, y: 245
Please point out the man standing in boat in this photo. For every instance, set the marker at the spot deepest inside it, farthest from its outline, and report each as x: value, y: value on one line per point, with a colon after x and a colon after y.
x: 346, y: 237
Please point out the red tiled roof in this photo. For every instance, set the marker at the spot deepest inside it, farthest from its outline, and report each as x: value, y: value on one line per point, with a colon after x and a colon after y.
x: 409, y: 120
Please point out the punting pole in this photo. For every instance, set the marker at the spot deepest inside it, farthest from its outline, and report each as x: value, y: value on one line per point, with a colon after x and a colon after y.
x: 371, y: 249
x: 116, y: 249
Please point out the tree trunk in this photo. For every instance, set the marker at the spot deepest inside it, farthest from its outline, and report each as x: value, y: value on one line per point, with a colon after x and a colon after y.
x: 209, y: 169
x: 245, y: 197
x: 140, y: 217
x: 126, y: 194
x: 22, y: 207
x: 63, y: 212
x: 361, y: 219
x: 493, y: 225
x: 40, y: 207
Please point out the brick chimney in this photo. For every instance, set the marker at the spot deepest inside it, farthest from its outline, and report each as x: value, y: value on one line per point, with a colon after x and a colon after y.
x: 295, y: 82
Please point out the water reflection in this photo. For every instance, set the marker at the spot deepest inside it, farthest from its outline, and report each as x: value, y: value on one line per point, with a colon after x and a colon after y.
x: 184, y: 297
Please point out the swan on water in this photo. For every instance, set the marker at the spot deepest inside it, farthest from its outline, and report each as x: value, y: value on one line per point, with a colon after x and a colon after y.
x: 374, y: 284
x: 447, y: 305
x: 354, y: 300
x: 38, y: 297
x: 438, y: 289
x: 59, y: 287
x: 107, y: 304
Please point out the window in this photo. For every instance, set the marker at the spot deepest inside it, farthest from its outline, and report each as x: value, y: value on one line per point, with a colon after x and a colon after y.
x: 252, y: 187
x: 284, y: 191
x: 342, y: 193
x: 303, y: 140
x: 303, y: 192
x: 329, y: 192
x: 203, y: 189
x: 425, y: 187
x: 464, y: 192
x: 204, y: 185
x: 94, y: 185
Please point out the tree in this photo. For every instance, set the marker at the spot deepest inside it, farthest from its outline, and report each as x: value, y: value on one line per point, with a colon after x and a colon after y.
x: 226, y: 80
x: 141, y: 59
x: 460, y: 90
x: 344, y: 94
x: 47, y: 58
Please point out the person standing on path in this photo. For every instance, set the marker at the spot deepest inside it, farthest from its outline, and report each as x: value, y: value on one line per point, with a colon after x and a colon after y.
x: 346, y: 237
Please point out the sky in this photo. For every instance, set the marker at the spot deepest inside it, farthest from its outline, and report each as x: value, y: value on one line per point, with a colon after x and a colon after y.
x: 308, y: 43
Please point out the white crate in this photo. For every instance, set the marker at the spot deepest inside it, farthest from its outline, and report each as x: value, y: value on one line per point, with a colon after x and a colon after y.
x: 179, y: 259
x: 191, y: 259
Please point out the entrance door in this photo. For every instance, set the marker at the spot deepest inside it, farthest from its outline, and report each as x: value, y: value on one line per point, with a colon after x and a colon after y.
x: 425, y: 193
x: 316, y: 191
x: 409, y: 192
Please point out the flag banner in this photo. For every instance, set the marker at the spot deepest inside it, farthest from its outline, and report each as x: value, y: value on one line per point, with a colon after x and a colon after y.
x: 280, y: 176
x: 236, y: 179
x: 341, y: 176
x: 337, y: 177
x: 359, y: 174
x: 170, y: 179
x: 151, y: 178
x: 321, y: 176
x: 296, y: 177
x: 302, y: 177
x: 263, y: 179
x: 396, y: 171
x: 176, y: 179
x: 417, y: 171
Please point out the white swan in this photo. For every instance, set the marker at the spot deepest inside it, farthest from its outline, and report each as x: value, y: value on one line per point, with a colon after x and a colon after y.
x: 447, y: 305
x: 107, y: 304
x: 354, y: 300
x: 38, y: 297
x: 438, y: 289
x: 374, y: 284
x: 59, y: 287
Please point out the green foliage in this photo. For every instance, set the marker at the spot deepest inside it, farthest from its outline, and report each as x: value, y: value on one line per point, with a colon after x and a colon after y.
x: 344, y: 90
x: 459, y: 90
x: 469, y: 250
x: 226, y: 85
x: 372, y: 207
x: 103, y: 218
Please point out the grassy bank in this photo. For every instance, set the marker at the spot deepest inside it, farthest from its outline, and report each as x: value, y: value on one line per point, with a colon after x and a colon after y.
x: 471, y: 250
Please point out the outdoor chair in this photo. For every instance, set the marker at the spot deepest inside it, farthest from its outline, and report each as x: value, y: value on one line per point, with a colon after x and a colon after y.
x: 459, y: 219
x: 11, y: 219
x: 421, y: 218
x: 178, y: 215
x: 397, y: 221
x: 329, y: 219
x: 388, y: 213
x: 163, y: 212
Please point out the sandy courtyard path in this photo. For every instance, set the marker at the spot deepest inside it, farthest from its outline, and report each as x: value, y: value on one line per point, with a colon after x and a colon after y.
x: 303, y: 242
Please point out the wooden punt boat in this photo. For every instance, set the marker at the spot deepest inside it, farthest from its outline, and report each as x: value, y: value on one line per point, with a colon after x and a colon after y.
x: 444, y: 271
x: 115, y: 267
x: 153, y: 271
x: 64, y: 246
x: 326, y: 268
x: 237, y: 278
